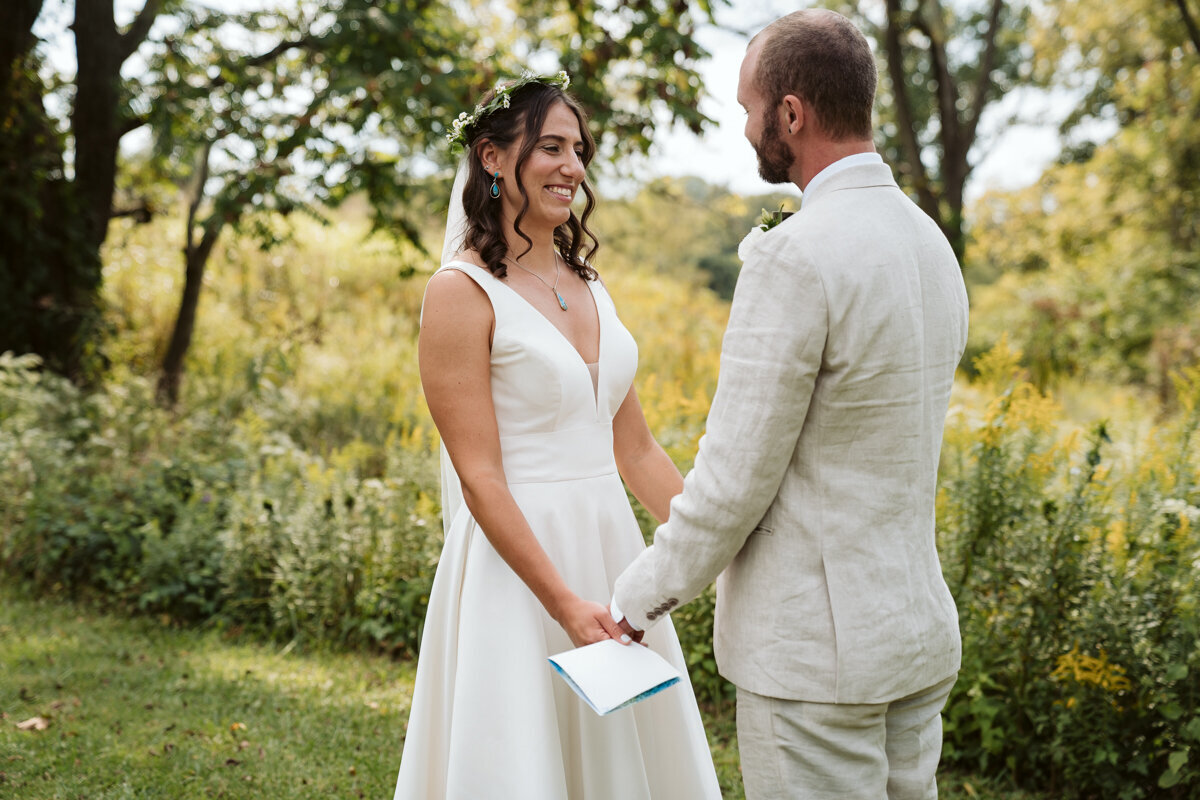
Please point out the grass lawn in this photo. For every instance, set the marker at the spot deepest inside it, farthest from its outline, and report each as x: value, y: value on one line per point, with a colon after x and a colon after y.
x: 134, y: 709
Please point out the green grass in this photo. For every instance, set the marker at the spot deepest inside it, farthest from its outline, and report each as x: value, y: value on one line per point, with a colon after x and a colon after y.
x: 141, y: 710
x: 137, y: 709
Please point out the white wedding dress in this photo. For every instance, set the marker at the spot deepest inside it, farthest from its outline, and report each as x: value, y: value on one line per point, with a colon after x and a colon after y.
x: 490, y: 719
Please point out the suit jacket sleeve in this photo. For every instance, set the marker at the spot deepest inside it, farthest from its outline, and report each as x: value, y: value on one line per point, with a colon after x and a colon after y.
x: 770, y: 358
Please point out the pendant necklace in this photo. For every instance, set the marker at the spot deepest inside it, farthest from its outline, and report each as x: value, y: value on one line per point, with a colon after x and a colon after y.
x: 557, y: 273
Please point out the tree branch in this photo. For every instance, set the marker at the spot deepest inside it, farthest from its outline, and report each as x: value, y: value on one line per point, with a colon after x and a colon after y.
x: 984, y: 81
x: 304, y: 42
x: 132, y: 124
x: 141, y: 213
x: 139, y: 28
x: 1190, y: 22
x: 197, y: 197
x: 904, y: 112
x: 947, y: 90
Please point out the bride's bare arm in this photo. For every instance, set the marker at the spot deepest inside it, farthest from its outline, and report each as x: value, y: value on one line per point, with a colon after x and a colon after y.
x: 454, y: 352
x: 646, y: 468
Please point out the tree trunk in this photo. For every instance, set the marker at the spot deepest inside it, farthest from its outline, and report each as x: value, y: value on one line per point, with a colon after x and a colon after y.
x: 1189, y: 22
x: 171, y: 376
x: 940, y: 195
x: 52, y: 226
x: 95, y: 120
x: 16, y: 38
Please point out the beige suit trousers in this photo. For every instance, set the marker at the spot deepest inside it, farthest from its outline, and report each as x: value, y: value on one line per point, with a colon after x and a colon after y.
x: 841, y: 751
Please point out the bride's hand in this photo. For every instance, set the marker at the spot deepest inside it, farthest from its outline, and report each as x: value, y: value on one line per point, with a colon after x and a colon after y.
x: 587, y: 622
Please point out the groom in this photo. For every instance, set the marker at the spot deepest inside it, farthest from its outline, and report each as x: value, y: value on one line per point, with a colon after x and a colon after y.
x: 813, y: 489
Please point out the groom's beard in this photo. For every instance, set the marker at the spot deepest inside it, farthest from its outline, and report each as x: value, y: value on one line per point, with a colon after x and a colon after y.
x: 774, y: 158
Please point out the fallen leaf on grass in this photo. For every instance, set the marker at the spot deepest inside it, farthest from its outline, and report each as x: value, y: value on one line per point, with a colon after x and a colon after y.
x: 232, y: 762
x: 34, y: 724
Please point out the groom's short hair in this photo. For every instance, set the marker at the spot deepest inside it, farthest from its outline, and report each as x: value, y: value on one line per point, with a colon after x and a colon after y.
x: 821, y: 57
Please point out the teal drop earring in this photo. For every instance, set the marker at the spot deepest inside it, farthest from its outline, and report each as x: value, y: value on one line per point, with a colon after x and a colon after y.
x: 495, y: 190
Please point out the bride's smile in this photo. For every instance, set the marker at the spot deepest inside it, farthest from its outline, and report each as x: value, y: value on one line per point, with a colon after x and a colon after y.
x: 554, y: 165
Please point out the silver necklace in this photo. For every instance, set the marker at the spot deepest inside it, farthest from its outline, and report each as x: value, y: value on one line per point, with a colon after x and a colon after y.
x: 557, y: 273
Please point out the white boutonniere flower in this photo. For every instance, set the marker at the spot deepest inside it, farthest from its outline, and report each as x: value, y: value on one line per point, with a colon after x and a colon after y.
x: 768, y: 220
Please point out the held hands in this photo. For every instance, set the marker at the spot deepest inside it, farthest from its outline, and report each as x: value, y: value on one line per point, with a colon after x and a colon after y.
x: 587, y: 622
x: 630, y: 631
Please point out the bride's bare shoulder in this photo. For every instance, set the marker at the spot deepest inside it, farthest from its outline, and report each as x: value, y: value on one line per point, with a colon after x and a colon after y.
x: 454, y: 292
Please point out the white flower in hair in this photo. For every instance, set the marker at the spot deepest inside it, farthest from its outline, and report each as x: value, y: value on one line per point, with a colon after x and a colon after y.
x: 459, y: 134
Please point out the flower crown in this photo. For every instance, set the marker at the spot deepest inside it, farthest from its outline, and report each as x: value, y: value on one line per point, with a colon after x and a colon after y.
x: 500, y: 99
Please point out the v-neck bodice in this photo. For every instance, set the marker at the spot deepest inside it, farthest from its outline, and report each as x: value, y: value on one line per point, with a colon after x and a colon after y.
x: 540, y: 382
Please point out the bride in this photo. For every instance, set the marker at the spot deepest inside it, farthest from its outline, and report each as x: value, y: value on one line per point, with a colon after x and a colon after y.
x: 528, y: 374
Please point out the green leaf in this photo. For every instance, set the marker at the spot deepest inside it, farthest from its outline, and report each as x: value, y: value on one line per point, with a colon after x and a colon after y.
x: 1177, y: 760
x: 1177, y: 672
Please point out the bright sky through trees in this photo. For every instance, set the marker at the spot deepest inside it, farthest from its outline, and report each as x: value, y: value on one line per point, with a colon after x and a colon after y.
x: 1017, y: 155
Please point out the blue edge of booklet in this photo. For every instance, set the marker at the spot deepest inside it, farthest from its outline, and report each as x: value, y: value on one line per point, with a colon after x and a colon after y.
x: 637, y: 698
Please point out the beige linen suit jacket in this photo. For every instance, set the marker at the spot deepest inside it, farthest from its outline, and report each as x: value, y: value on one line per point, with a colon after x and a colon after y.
x: 814, y: 484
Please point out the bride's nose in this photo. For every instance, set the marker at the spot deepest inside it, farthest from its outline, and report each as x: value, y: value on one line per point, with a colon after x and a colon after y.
x: 573, y: 167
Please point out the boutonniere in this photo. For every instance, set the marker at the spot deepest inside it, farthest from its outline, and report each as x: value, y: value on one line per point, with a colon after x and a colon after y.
x: 768, y: 220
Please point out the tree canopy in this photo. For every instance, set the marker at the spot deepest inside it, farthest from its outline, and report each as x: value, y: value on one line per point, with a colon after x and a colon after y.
x: 1095, y: 269
x: 300, y: 105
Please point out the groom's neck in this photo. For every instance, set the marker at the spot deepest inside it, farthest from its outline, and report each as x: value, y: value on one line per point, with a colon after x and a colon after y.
x: 818, y: 155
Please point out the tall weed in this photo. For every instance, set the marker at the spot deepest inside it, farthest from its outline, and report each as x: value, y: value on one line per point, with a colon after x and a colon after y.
x: 1075, y: 581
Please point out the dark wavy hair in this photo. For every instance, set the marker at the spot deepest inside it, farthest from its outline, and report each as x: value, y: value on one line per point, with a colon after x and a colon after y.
x: 524, y: 117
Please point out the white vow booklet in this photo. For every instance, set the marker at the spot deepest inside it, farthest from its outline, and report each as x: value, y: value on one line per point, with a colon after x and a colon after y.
x: 609, y: 675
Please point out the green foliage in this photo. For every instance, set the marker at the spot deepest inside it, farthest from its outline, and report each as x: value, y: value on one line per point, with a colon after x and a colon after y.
x: 706, y: 224
x: 1075, y: 580
x: 1095, y: 269
x: 316, y: 101
x: 203, y: 520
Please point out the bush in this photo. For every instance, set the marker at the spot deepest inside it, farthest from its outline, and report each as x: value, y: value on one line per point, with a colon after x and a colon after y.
x: 197, y: 521
x: 1076, y: 589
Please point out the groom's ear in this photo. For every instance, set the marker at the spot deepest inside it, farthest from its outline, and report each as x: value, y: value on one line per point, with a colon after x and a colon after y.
x: 793, y: 113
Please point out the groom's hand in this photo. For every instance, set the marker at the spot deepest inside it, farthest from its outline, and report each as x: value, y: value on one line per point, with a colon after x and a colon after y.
x: 627, y: 630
